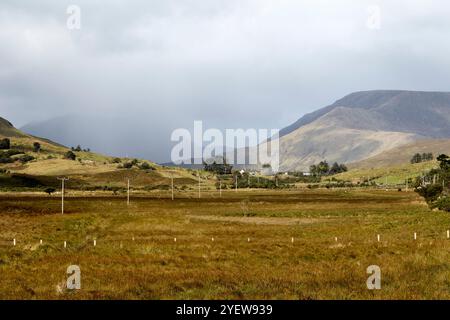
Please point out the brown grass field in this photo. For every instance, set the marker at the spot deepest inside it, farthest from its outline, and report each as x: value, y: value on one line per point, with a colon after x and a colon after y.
x: 136, y: 256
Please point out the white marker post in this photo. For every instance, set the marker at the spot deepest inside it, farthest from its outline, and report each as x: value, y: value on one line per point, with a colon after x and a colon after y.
x: 292, y: 239
x: 63, y: 179
x: 448, y: 234
x: 174, y: 239
x: 415, y: 236
x: 95, y: 243
x: 14, y: 242
x: 65, y: 244
x: 40, y: 242
x: 236, y: 184
x: 335, y: 239
x: 248, y: 239
x: 378, y: 238
x: 220, y: 188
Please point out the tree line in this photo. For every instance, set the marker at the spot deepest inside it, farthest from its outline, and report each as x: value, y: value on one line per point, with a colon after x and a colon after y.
x: 424, y: 157
x: 324, y: 169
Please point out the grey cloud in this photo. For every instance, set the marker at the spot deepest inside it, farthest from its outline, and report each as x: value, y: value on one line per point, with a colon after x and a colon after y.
x: 251, y: 63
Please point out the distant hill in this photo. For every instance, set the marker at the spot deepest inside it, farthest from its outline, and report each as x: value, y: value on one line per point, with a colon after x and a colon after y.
x: 363, y: 125
x: 403, y: 154
x: 25, y: 141
x: 8, y: 130
x: 90, y: 170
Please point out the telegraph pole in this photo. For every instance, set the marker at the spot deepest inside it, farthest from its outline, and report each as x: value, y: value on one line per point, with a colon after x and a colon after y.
x: 199, y: 195
x: 236, y: 183
x: 128, y: 193
x: 62, y: 179
x: 171, y: 177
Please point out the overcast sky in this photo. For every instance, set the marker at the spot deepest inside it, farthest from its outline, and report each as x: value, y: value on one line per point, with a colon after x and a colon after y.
x: 230, y: 63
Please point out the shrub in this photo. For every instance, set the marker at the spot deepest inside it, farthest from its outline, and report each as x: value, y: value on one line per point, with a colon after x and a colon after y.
x: 49, y: 191
x: 146, y: 166
x: 5, y: 144
x: 430, y: 192
x: 117, y: 160
x: 70, y: 155
x: 36, y: 147
x: 443, y: 204
x: 26, y: 158
x: 127, y: 165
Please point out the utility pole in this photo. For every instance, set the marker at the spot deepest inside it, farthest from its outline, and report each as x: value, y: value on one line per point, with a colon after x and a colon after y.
x: 128, y: 193
x: 62, y: 179
x: 171, y: 178
x: 236, y: 184
x: 199, y: 195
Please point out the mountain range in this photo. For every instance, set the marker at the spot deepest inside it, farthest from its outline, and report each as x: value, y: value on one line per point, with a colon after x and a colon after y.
x: 359, y: 126
x: 363, y: 125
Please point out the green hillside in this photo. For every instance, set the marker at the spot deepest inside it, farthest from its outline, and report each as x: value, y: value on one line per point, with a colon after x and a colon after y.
x: 25, y: 168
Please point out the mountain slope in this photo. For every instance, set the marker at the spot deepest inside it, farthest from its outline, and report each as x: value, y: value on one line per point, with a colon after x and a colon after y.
x: 90, y: 171
x: 364, y: 124
x: 7, y: 130
x: 403, y: 154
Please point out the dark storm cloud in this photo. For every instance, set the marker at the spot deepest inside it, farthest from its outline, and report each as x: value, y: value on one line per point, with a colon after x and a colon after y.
x: 247, y: 63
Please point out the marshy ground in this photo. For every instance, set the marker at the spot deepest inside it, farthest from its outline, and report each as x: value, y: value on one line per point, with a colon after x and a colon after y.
x: 238, y: 246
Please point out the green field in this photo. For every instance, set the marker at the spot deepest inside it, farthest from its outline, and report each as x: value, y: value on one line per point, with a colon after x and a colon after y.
x: 238, y: 246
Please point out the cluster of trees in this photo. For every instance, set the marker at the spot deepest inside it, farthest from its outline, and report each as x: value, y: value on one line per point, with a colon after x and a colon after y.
x: 324, y: 169
x: 133, y: 163
x: 218, y: 168
x: 418, y: 158
x: 245, y: 180
x: 434, y: 186
x: 79, y: 149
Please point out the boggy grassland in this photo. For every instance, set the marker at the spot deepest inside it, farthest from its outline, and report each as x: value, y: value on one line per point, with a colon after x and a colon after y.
x: 238, y: 246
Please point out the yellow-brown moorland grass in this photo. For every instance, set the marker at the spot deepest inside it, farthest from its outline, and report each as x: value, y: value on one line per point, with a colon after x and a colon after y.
x: 137, y: 257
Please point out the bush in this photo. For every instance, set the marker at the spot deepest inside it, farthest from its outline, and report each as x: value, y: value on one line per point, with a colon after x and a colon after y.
x: 49, y: 191
x: 430, y: 192
x: 70, y: 155
x: 117, y: 160
x: 5, y: 156
x: 26, y: 158
x: 36, y: 147
x: 443, y: 204
x: 127, y: 165
x: 146, y: 166
x: 5, y: 144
